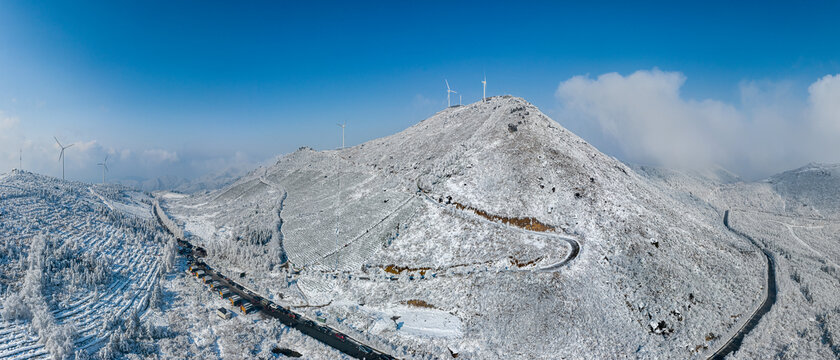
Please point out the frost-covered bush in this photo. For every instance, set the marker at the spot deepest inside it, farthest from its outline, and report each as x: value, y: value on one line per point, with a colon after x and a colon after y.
x: 156, y: 297
x: 132, y: 336
x: 59, y: 340
x: 15, y: 308
x: 72, y: 265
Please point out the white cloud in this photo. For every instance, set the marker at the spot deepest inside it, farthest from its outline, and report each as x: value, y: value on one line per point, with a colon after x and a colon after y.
x: 40, y: 154
x: 160, y: 156
x: 420, y: 101
x: 648, y: 119
x: 825, y: 103
x: 7, y: 122
x: 87, y: 145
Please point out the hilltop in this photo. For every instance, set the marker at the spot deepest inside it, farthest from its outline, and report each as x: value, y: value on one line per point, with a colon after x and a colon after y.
x: 475, y: 213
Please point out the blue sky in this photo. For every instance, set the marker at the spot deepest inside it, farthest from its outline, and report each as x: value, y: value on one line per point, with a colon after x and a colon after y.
x: 182, y: 88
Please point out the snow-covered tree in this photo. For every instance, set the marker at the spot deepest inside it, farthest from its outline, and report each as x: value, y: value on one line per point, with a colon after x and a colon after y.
x: 170, y: 252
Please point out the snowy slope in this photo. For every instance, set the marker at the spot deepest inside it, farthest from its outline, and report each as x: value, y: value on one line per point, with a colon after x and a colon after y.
x: 793, y: 217
x: 811, y: 189
x: 76, y: 260
x: 440, y: 208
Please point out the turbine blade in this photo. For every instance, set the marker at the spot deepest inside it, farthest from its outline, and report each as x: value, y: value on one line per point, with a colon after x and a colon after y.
x: 56, y: 140
x: 106, y: 158
x: 447, y: 84
x: 69, y: 145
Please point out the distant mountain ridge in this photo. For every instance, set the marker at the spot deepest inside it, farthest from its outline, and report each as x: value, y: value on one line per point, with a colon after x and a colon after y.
x: 814, y: 185
x: 208, y: 182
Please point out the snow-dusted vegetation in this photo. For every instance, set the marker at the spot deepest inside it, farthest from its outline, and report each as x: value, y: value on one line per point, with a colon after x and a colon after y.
x: 88, y: 273
x: 486, y: 231
x: 794, y: 216
x: 436, y: 241
x: 75, y: 259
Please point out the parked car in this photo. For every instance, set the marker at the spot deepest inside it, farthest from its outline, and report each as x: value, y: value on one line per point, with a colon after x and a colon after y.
x: 247, y: 308
x: 225, y: 293
x: 223, y: 313
x: 235, y: 300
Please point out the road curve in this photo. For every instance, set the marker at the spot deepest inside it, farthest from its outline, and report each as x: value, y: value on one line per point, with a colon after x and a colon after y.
x: 574, y: 245
x: 770, y: 293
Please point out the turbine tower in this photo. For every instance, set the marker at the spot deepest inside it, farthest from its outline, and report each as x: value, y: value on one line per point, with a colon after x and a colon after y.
x: 20, y: 160
x: 448, y: 91
x: 61, y: 155
x: 104, y: 165
x: 342, y: 132
x: 484, y: 88
x: 338, y: 200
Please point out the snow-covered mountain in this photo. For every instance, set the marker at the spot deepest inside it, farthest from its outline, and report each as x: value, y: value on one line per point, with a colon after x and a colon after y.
x: 813, y: 188
x: 474, y: 212
x: 792, y: 216
x: 486, y: 231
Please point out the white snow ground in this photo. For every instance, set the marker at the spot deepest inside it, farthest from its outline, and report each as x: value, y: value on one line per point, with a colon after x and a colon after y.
x: 416, y: 244
x: 646, y: 255
x: 70, y: 264
x: 83, y: 273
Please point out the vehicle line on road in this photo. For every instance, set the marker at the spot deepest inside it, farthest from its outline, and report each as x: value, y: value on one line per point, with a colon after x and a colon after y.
x: 322, y: 333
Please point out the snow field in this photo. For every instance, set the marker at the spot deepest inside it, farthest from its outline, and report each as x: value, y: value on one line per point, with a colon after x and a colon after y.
x: 67, y: 213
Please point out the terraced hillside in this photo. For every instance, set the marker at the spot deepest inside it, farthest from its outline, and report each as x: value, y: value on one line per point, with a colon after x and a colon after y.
x: 76, y: 262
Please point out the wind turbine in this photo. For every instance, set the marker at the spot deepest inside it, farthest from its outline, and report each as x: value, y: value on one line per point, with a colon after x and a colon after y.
x: 342, y: 132
x: 61, y: 155
x: 448, y: 91
x: 20, y: 160
x: 484, y: 88
x: 104, y: 165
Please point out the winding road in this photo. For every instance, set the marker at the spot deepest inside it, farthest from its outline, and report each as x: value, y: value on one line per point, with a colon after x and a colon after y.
x: 574, y: 244
x: 770, y: 292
